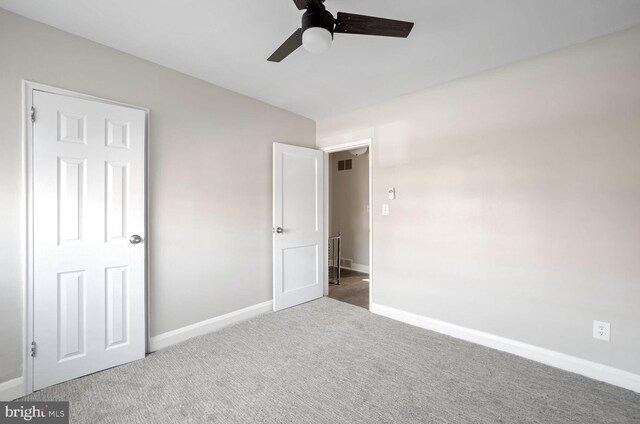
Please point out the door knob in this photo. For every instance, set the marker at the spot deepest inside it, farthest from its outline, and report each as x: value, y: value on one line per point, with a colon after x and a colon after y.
x: 135, y: 239
x: 279, y: 230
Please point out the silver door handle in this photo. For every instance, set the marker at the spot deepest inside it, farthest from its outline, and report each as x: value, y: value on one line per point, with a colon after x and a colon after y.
x: 135, y: 239
x: 279, y: 230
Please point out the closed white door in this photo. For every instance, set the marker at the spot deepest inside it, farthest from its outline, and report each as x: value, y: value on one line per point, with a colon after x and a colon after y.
x: 298, y: 248
x: 88, y: 270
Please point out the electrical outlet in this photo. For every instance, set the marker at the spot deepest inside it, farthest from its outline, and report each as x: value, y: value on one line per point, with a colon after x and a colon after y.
x: 601, y: 330
x: 385, y: 210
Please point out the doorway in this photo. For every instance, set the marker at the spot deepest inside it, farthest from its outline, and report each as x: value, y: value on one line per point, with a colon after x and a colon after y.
x: 349, y: 224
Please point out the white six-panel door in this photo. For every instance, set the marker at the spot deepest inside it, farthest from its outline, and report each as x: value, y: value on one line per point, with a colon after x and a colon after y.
x: 298, y: 222
x: 88, y: 200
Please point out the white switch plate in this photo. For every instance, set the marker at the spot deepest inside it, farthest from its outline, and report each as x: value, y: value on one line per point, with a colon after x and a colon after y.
x: 602, y: 330
x: 392, y: 193
x: 385, y: 210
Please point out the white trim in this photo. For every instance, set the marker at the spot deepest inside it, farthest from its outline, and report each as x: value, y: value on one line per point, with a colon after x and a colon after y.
x: 346, y: 146
x: 27, y: 165
x: 36, y: 86
x: 179, y: 335
x: 357, y: 267
x: 327, y: 191
x: 12, y: 389
x: 549, y: 357
x: 28, y: 87
x: 354, y: 266
x: 340, y: 148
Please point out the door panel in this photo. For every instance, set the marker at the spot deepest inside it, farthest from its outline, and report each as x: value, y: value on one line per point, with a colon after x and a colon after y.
x: 117, y: 306
x: 299, y: 267
x: 88, y: 199
x: 72, y: 328
x: 298, y: 206
x: 117, y: 186
x: 71, y: 198
x: 300, y: 199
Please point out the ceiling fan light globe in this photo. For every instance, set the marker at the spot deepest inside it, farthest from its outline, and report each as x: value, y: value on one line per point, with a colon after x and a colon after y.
x: 317, y: 39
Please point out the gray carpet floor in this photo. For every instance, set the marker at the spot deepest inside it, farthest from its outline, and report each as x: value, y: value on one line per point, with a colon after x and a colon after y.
x: 330, y: 362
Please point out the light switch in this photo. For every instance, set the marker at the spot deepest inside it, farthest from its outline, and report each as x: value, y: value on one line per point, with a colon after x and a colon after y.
x: 385, y: 210
x: 392, y: 193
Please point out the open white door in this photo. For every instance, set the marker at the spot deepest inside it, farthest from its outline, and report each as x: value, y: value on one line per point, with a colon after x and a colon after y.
x: 298, y: 205
x: 88, y: 233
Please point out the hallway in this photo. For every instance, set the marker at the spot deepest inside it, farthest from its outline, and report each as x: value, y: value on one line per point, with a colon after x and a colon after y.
x: 353, y: 288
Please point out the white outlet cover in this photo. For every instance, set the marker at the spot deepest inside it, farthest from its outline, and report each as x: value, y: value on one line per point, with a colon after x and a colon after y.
x: 602, y: 330
x: 385, y: 210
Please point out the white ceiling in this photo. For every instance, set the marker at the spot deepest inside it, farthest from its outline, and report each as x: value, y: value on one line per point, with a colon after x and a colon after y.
x: 227, y: 42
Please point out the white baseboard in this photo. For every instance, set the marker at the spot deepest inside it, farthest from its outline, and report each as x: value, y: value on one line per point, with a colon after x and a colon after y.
x: 12, y: 389
x: 357, y: 267
x: 203, y: 327
x: 593, y: 370
x: 354, y: 266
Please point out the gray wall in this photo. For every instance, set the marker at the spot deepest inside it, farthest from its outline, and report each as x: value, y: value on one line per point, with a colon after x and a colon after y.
x: 348, y: 201
x: 210, y: 177
x: 518, y: 199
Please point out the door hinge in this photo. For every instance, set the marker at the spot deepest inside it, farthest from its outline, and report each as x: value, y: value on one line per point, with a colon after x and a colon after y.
x: 33, y: 114
x: 33, y: 348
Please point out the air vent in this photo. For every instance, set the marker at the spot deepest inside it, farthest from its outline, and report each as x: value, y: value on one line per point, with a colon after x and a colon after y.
x: 345, y: 263
x: 345, y: 165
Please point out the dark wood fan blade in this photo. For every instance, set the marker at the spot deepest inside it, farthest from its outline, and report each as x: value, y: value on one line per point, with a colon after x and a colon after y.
x: 306, y: 4
x: 300, y: 4
x: 348, y: 23
x: 288, y: 47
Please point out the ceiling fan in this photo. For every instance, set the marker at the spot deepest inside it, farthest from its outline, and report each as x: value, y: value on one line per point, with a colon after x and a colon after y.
x: 319, y: 25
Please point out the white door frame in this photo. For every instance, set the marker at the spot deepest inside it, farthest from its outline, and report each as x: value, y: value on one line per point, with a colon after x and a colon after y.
x: 368, y: 142
x: 28, y: 88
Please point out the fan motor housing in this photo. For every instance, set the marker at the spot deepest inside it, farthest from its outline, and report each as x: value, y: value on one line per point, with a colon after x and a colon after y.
x: 318, y: 18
